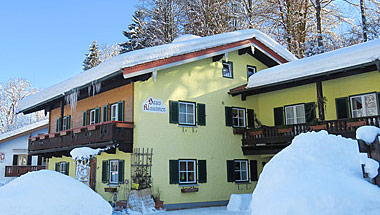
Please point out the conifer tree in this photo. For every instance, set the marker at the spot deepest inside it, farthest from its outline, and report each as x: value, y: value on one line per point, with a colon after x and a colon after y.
x: 92, y: 57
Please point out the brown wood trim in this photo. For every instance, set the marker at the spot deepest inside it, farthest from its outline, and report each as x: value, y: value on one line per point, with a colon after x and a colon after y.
x: 123, y: 125
x: 92, y: 127
x: 53, y: 135
x: 318, y: 127
x: 356, y: 124
x: 77, y: 130
x: 269, y: 51
x: 284, y: 130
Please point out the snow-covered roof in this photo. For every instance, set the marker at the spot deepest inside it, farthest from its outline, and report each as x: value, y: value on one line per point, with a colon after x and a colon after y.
x: 114, y: 65
x: 23, y: 129
x: 330, y: 61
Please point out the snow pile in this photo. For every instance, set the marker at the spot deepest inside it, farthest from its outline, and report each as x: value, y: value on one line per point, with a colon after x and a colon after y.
x: 367, y: 133
x: 239, y: 202
x: 317, y: 174
x: 317, y: 64
x: 115, y: 65
x: 85, y: 153
x: 185, y: 37
x: 47, y: 192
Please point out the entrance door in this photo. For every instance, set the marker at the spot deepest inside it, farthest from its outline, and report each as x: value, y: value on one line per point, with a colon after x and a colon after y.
x: 93, y: 173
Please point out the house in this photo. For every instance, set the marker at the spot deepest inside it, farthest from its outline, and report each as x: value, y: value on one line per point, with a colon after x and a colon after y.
x: 337, y: 91
x: 14, y: 158
x: 160, y: 115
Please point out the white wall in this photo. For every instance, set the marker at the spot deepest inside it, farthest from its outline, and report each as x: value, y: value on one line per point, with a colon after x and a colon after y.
x: 15, y: 146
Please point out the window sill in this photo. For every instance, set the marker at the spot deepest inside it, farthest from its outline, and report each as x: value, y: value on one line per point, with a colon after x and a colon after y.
x: 242, y: 182
x: 188, y: 126
x: 113, y: 185
x: 188, y: 185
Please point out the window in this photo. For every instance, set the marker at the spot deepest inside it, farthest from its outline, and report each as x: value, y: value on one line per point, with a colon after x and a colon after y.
x: 186, y: 113
x: 364, y: 105
x: 114, y: 171
x: 241, y: 170
x: 187, y: 172
x: 250, y: 71
x: 114, y: 112
x: 238, y: 117
x: 62, y: 167
x: 295, y: 114
x: 66, y: 122
x: 92, y: 117
x: 22, y: 160
x: 227, y: 70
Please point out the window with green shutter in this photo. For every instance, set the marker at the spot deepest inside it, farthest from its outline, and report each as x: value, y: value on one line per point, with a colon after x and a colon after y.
x: 173, y: 172
x: 105, y: 171
x: 228, y: 116
x: 201, y: 111
x: 97, y: 115
x: 253, y: 169
x: 251, y: 118
x: 121, y: 171
x: 173, y: 112
x: 310, y: 113
x: 230, y: 171
x: 120, y: 111
x: 202, y: 171
x: 278, y: 116
x: 84, y: 118
x: 342, y: 111
x: 105, y: 113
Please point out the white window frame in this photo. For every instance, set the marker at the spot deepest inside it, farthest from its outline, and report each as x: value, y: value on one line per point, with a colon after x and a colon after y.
x: 92, y: 116
x: 364, y: 107
x: 22, y: 159
x: 239, y: 116
x: 252, y: 68
x: 114, y: 114
x: 293, y: 108
x: 62, y: 167
x: 241, y: 171
x: 228, y: 64
x: 65, y: 123
x: 187, y: 115
x: 187, y: 171
x: 116, y: 172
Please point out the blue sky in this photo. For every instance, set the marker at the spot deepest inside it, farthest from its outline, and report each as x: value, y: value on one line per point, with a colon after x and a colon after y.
x: 45, y: 41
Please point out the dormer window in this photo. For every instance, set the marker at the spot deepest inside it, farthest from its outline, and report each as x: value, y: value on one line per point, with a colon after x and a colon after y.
x: 250, y: 71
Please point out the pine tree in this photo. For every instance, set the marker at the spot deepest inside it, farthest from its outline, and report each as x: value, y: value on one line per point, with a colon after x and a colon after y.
x: 92, y: 57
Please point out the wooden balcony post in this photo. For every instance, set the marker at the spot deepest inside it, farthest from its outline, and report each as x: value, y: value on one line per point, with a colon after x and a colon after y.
x: 62, y: 114
x: 320, y: 101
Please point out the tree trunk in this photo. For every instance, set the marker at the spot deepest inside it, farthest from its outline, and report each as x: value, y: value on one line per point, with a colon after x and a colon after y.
x: 364, y: 24
x: 319, y: 25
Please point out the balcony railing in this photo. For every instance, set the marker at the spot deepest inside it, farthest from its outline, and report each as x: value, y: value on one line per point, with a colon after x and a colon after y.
x: 16, y: 171
x: 270, y: 140
x: 115, y: 133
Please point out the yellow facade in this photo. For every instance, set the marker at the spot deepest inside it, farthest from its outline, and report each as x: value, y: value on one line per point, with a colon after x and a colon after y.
x: 201, y: 82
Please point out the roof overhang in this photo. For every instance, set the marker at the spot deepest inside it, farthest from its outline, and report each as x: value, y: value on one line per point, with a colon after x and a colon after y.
x: 324, y: 76
x: 199, y: 55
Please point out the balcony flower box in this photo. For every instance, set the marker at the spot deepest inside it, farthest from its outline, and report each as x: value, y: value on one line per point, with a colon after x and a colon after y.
x: 284, y: 130
x: 110, y: 189
x: 189, y: 190
x: 318, y: 127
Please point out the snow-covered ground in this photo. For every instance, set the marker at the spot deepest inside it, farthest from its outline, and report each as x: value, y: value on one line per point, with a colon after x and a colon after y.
x: 47, y: 192
x: 317, y: 174
x: 199, y: 211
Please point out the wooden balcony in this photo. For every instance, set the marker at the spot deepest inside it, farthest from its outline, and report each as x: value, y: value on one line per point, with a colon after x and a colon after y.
x: 113, y: 133
x: 16, y: 171
x: 270, y: 140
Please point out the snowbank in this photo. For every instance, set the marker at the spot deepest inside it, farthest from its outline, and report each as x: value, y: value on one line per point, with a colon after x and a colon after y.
x: 367, y: 133
x: 47, y: 192
x: 317, y: 174
x: 239, y: 202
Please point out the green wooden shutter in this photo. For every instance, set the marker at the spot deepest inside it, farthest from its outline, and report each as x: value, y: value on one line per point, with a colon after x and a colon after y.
x: 84, y: 118
x: 105, y: 113
x: 228, y: 116
x: 201, y: 111
x: 342, y: 108
x: 251, y: 118
x: 120, y: 113
x: 67, y: 168
x: 68, y: 122
x: 278, y: 116
x: 310, y: 114
x: 121, y: 171
x: 29, y: 160
x: 202, y: 171
x: 57, y: 166
x: 173, y: 172
x: 97, y: 115
x: 15, y: 160
x: 57, y: 125
x: 173, y: 112
x: 105, y: 171
x: 230, y: 171
x: 253, y: 169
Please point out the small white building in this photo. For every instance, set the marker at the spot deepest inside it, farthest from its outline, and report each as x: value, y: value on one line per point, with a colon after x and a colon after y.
x: 14, y: 159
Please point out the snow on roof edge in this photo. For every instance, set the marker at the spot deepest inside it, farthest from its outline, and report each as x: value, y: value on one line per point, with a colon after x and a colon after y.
x: 130, y: 59
x: 23, y: 129
x: 318, y: 64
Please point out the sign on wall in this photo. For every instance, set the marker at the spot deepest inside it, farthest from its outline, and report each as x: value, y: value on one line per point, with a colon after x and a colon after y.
x: 2, y: 157
x: 154, y: 106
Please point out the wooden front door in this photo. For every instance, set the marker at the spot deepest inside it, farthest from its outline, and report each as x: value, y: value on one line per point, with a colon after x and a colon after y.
x: 93, y: 173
